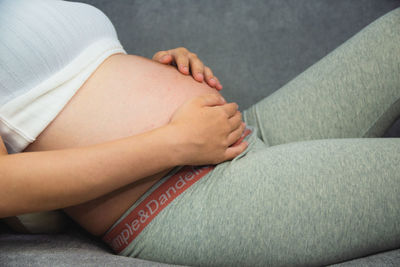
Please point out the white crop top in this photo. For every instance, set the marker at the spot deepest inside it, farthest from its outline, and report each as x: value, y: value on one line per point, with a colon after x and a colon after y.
x: 48, y: 48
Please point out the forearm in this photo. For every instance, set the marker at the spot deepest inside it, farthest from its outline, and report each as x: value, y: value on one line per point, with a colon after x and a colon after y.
x: 55, y: 179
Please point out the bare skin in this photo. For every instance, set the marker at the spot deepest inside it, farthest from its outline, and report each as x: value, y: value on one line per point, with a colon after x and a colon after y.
x: 126, y: 96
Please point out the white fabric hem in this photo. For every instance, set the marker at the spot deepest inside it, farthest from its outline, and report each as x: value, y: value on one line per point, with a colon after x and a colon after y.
x: 25, y: 117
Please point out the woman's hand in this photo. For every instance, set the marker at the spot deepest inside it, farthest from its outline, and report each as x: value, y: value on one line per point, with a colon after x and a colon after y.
x: 188, y: 62
x: 205, y: 128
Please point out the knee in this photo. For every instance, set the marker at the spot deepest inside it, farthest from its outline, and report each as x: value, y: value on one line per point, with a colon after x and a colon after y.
x: 384, y: 34
x: 394, y: 13
x: 390, y: 21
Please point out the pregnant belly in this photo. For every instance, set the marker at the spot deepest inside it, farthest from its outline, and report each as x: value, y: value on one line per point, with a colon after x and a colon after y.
x: 126, y: 95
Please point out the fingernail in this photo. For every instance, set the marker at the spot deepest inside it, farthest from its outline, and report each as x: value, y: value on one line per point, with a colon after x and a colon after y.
x: 164, y: 57
x: 185, y: 69
x: 212, y: 81
x: 223, y: 99
x: 200, y: 76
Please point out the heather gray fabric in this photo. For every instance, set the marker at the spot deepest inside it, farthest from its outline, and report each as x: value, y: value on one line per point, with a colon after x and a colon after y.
x: 309, y: 190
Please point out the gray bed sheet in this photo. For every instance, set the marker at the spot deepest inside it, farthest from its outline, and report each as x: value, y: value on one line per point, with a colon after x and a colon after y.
x: 77, y: 248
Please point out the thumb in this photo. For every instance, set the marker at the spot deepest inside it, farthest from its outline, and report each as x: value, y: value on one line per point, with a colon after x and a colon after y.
x: 212, y: 100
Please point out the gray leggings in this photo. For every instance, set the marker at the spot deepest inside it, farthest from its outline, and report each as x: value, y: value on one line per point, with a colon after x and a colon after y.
x: 315, y: 186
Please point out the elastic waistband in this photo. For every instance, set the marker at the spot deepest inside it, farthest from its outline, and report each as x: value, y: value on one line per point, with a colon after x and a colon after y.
x: 130, y: 227
x: 124, y: 231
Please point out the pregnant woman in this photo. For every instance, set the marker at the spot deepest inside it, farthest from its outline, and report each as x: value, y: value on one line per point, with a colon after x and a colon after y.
x: 162, y: 168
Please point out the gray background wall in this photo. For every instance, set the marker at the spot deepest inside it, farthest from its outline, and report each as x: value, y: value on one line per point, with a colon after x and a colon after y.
x: 254, y: 56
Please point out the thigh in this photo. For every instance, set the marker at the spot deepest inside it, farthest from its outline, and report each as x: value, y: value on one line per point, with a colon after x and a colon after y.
x: 352, y: 92
x: 304, y: 204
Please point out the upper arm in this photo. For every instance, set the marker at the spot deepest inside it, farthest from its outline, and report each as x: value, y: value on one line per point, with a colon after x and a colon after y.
x: 3, y: 150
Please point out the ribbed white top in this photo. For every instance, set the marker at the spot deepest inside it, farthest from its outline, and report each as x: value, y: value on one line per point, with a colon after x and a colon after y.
x: 48, y: 48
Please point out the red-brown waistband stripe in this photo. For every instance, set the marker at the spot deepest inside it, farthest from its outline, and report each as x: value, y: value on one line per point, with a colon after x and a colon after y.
x: 133, y: 224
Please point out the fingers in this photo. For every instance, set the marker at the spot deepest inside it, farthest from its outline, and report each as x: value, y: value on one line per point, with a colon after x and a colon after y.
x: 163, y: 57
x: 196, y: 67
x: 181, y: 59
x: 211, y: 100
x: 230, y: 109
x: 219, y: 85
x: 188, y: 63
x: 236, y: 120
x: 236, y: 134
x: 201, y: 72
x: 235, y: 151
x: 211, y: 79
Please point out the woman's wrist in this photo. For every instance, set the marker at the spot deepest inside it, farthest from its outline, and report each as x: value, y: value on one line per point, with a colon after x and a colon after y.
x: 174, y: 145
